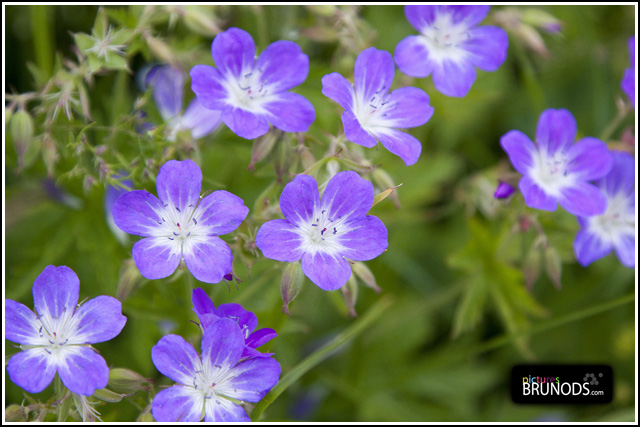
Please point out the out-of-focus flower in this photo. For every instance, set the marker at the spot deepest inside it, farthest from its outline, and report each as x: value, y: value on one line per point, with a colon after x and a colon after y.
x: 628, y: 82
x: 450, y: 45
x: 180, y: 225
x: 324, y: 232
x: 56, y: 338
x: 167, y: 87
x: 251, y: 93
x: 555, y: 170
x: 615, y: 229
x: 247, y: 321
x: 372, y: 113
x: 110, y: 196
x: 206, y: 383
x: 503, y: 191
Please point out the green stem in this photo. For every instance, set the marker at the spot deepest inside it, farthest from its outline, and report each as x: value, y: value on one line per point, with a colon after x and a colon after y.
x: 321, y: 354
x: 42, y: 37
x: 61, y: 397
x: 622, y: 114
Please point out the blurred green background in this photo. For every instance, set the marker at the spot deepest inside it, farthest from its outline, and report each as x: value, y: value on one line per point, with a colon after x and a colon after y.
x: 459, y: 315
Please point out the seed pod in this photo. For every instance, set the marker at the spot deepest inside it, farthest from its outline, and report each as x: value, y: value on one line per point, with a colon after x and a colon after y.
x: 21, y: 131
x: 553, y: 266
x: 350, y: 294
x: 292, y: 280
x: 531, y: 268
x: 364, y: 274
x: 126, y: 381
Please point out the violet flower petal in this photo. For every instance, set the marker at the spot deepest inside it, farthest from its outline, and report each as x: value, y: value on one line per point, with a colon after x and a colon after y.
x: 233, y: 51
x: 336, y: 87
x: 200, y: 120
x: 354, y: 132
x: 208, y: 260
x: 588, y: 247
x: 279, y: 240
x: 136, y: 212
x: 347, y: 196
x: 535, y: 197
x: 155, y: 257
x: 202, y: 303
x: 176, y: 404
x: 83, y: 371
x: 487, y: 46
x: 520, y: 149
x: 589, y: 159
x: 246, y: 320
x: 583, y: 199
x: 179, y: 184
x: 373, y: 72
x: 174, y: 358
x: 253, y: 378
x: 290, y: 112
x: 224, y: 411
x: 454, y: 78
x: 556, y: 130
x: 206, y: 83
x: 19, y: 323
x: 366, y: 239
x: 31, y: 370
x: 222, y: 344
x: 299, y: 198
x: 412, y: 108
x: 260, y: 337
x: 402, y: 144
x: 244, y: 123
x: 56, y: 291
x: 326, y: 271
x: 99, y: 319
x: 167, y: 85
x: 221, y: 212
x: 625, y: 248
x: 283, y: 66
x: 412, y: 57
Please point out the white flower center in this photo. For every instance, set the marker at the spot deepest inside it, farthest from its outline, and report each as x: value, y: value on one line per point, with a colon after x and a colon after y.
x: 56, y: 335
x: 551, y: 172
x: 211, y: 382
x: 180, y: 227
x: 372, y: 112
x: 323, y: 233
x: 443, y: 38
x: 247, y: 92
x: 617, y: 221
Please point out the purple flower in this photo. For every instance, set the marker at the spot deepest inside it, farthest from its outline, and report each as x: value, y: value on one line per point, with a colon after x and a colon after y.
x: 372, y: 113
x: 615, y: 229
x: 254, y: 92
x: 56, y: 337
x: 324, y: 232
x: 180, y: 225
x: 167, y: 86
x: 207, y: 383
x: 628, y: 82
x: 450, y: 45
x: 503, y: 191
x: 246, y: 320
x: 556, y: 170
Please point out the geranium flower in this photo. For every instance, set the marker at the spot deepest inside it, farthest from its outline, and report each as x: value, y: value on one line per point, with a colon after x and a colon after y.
x: 615, y: 229
x: 324, y: 232
x: 207, y: 382
x: 57, y: 337
x: 372, y: 113
x: 556, y: 170
x: 167, y: 89
x: 180, y: 225
x: 628, y: 82
x: 246, y: 320
x: 254, y: 92
x: 450, y: 45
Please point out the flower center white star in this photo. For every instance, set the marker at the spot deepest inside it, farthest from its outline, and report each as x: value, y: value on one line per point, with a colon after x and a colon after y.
x: 372, y: 112
x: 551, y: 172
x: 322, y: 233
x: 248, y: 91
x: 443, y: 38
x: 617, y: 221
x: 180, y: 227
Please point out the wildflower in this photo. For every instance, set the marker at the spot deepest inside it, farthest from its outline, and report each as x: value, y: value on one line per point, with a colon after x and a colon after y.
x: 615, y: 229
x: 324, y: 232
x: 56, y: 338
x: 167, y: 86
x: 246, y: 320
x: 372, y: 113
x: 253, y: 93
x: 207, y: 382
x: 503, y: 191
x: 450, y: 46
x: 556, y: 170
x: 628, y: 82
x: 181, y: 224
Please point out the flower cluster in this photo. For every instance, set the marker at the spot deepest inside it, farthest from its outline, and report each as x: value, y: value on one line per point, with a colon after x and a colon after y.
x: 229, y: 369
x: 323, y: 232
x: 57, y: 337
x: 450, y: 45
x: 180, y: 225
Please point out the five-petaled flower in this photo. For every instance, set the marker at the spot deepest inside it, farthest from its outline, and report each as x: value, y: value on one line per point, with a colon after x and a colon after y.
x: 372, y: 113
x: 450, y: 45
x: 628, y: 82
x: 167, y: 87
x: 247, y: 321
x: 615, y: 229
x: 324, y: 232
x: 56, y: 337
x: 180, y: 225
x: 251, y: 93
x: 556, y: 170
x: 207, y: 382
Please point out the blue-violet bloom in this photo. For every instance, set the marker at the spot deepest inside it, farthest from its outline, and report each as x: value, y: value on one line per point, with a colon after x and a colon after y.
x: 372, y: 113
x: 628, y: 82
x: 557, y: 170
x: 503, y: 191
x: 250, y: 92
x: 206, y: 382
x: 323, y: 232
x: 167, y: 88
x: 180, y: 225
x: 615, y: 229
x: 247, y: 321
x: 450, y: 45
x: 57, y: 337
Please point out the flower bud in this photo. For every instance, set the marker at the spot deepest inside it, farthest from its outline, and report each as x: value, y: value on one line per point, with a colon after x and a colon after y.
x: 503, y: 191
x: 364, y: 274
x: 350, y: 294
x: 15, y: 413
x: 541, y: 19
x: 126, y: 381
x: 21, y: 131
x: 201, y: 20
x: 130, y: 279
x: 531, y: 267
x: 383, y: 181
x: 553, y: 266
x: 292, y: 280
x: 262, y: 147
